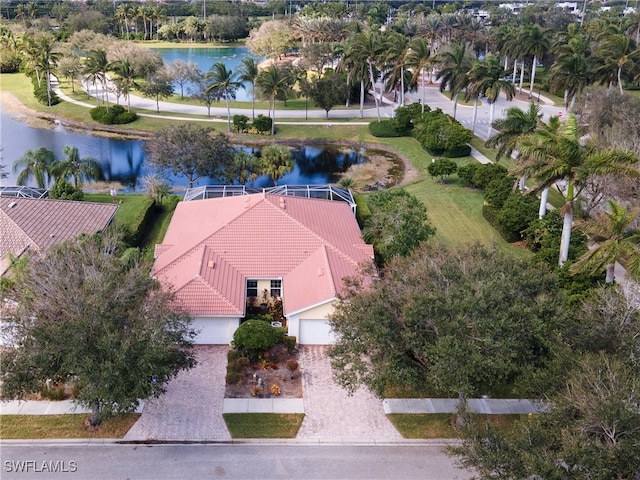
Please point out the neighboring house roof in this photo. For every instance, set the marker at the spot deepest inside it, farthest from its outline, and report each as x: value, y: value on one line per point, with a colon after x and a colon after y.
x: 213, y: 246
x: 36, y: 224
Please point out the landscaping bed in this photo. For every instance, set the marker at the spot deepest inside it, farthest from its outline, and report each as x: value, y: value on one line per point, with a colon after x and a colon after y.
x: 256, y: 379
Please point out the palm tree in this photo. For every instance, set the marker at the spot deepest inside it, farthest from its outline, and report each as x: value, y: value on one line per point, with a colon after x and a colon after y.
x: 418, y: 59
x: 77, y: 168
x: 276, y: 161
x: 125, y: 70
x: 369, y: 47
x: 394, y: 60
x: 454, y: 71
x: 534, y: 42
x: 487, y: 78
x: 95, y: 67
x: 616, y: 242
x: 272, y: 82
x: 35, y: 165
x: 249, y: 73
x: 616, y: 52
x: 554, y: 155
x: 245, y: 166
x: 225, y: 85
x: 355, y: 64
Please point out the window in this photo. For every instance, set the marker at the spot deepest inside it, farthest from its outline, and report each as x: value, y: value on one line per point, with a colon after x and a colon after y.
x: 276, y: 288
x: 252, y: 288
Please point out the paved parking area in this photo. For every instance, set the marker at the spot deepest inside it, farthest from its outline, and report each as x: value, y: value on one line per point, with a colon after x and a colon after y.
x: 330, y: 413
x: 192, y: 407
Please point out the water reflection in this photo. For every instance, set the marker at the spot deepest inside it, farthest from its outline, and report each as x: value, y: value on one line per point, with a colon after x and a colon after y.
x: 123, y: 161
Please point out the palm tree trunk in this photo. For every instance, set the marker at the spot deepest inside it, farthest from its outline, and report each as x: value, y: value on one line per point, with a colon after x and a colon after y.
x: 522, y: 185
x: 566, y: 232
x: 362, y: 92
x: 402, y: 86
x: 533, y: 74
x: 620, y: 79
x: 475, y: 116
x: 515, y: 71
x: 95, y: 84
x: 228, y: 114
x: 424, y: 87
x: 521, y: 77
x: 373, y: 86
x: 491, y: 113
x: 544, y: 197
x: 610, y: 273
x: 273, y: 120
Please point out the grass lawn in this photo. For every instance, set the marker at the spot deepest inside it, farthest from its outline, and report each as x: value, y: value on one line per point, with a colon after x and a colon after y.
x: 15, y: 427
x: 263, y: 425
x: 441, y: 425
x: 132, y: 208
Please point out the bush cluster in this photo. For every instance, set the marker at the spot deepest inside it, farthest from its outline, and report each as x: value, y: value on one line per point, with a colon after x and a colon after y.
x: 254, y: 337
x: 63, y: 190
x: 384, y: 129
x: 441, y: 135
x: 262, y: 123
x: 115, y: 115
x: 40, y: 92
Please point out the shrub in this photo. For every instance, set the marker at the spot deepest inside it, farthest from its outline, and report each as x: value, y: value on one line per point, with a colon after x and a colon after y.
x: 466, y: 173
x: 499, y: 190
x: 232, y: 356
x: 402, y: 122
x: 486, y: 173
x: 63, y: 190
x: 290, y: 343
x: 262, y: 123
x: 383, y: 129
x: 443, y: 136
x: 255, y: 336
x: 233, y: 378
x: 56, y: 392
x: 40, y: 92
x: 240, y: 123
x: 115, y: 115
x: 242, y: 363
x: 363, y: 212
x: 517, y: 213
x: 292, y: 365
x: 442, y: 168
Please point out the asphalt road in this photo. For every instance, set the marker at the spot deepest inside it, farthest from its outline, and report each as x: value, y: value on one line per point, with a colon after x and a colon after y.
x: 221, y: 461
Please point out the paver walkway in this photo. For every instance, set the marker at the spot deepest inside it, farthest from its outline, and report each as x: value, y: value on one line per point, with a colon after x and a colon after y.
x: 192, y: 407
x: 330, y: 413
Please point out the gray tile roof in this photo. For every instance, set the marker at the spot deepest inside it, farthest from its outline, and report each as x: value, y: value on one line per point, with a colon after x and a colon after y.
x: 36, y: 224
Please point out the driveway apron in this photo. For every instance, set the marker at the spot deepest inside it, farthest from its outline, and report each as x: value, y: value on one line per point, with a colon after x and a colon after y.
x: 191, y: 409
x: 330, y: 413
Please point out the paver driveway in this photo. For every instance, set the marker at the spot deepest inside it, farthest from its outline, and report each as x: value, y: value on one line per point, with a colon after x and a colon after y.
x: 330, y: 413
x: 192, y: 407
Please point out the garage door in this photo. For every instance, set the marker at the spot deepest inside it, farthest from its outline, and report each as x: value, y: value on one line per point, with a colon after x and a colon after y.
x: 315, y: 332
x: 217, y: 331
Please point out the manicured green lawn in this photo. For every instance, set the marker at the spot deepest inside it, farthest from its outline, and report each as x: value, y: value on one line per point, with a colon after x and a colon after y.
x: 263, y: 425
x: 63, y: 426
x: 442, y: 425
x: 131, y: 208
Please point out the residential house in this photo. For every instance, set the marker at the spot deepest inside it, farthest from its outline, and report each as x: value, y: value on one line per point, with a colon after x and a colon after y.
x: 224, y: 255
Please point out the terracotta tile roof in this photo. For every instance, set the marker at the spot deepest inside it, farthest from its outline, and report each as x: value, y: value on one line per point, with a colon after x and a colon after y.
x: 311, y: 244
x: 36, y: 224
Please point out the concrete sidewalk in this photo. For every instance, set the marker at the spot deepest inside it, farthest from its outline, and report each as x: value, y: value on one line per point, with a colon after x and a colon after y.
x: 487, y: 406
x: 46, y: 407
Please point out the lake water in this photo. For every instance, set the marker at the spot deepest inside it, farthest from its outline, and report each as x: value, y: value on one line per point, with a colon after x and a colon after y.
x: 124, y: 160
x: 205, y: 58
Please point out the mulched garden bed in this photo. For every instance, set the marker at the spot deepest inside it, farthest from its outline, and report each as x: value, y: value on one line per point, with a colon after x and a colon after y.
x: 258, y: 378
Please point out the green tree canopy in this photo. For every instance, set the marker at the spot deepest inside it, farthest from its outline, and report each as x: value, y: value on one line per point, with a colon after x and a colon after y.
x: 467, y: 320
x: 85, y: 314
x: 190, y: 150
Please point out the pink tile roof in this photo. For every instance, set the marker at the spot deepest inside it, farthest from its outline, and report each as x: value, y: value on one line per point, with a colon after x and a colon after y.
x: 212, y: 246
x: 36, y: 224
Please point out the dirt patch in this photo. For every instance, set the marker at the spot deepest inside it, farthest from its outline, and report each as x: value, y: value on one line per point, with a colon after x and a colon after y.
x: 259, y: 378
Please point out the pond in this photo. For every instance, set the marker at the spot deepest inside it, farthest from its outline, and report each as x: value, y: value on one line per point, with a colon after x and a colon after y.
x: 123, y: 161
x: 205, y: 58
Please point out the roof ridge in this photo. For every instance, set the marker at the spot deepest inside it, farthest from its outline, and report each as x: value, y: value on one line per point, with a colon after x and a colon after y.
x: 31, y: 240
x: 328, y: 266
x: 200, y: 279
x: 323, y: 239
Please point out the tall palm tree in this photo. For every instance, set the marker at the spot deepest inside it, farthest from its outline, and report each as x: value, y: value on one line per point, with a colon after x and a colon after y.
x: 418, y: 60
x: 35, y: 165
x: 225, y: 85
x: 534, y: 42
x: 369, y: 47
x: 455, y: 64
x: 272, y: 82
x: 125, y: 70
x: 554, y: 155
x: 276, y: 161
x: 77, y: 168
x: 95, y: 68
x: 616, y: 242
x: 394, y: 61
x: 355, y: 64
x: 249, y: 73
x: 616, y: 52
x: 487, y: 78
